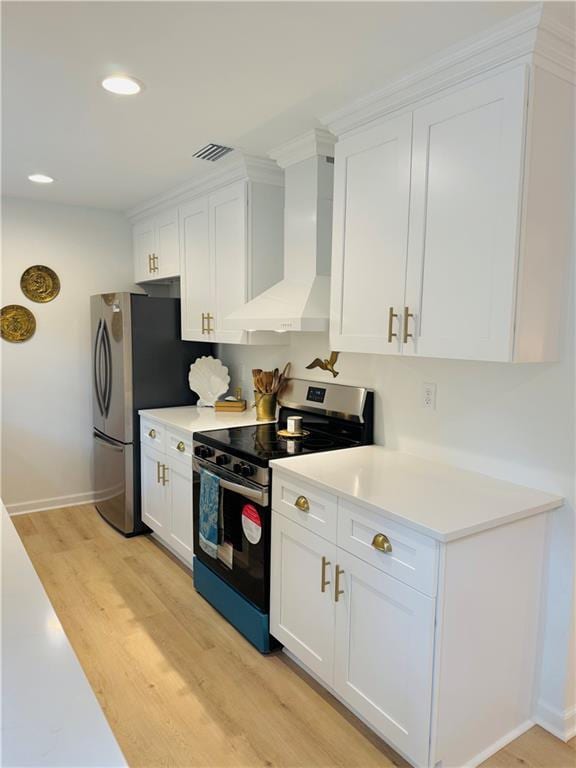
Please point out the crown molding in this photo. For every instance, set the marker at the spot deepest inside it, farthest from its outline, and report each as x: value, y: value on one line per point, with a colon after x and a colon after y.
x: 533, y: 33
x: 239, y: 166
x: 317, y: 141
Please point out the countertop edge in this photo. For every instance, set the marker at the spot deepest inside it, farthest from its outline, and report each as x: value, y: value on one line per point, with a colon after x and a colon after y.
x: 442, y: 537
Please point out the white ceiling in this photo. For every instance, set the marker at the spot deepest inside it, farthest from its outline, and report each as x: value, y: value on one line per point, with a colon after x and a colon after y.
x: 250, y: 75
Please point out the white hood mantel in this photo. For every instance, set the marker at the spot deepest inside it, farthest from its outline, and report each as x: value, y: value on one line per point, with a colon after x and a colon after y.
x: 301, y: 301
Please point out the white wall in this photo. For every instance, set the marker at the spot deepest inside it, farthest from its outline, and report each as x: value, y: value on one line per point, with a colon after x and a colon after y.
x: 515, y: 422
x: 46, y: 381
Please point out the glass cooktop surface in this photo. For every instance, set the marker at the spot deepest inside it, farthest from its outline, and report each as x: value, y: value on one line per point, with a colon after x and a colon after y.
x: 261, y: 443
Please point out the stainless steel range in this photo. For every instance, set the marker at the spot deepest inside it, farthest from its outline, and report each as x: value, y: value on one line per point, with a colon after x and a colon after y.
x: 236, y: 578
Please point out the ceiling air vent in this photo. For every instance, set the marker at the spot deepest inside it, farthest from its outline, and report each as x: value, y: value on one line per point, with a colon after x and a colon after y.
x: 212, y: 152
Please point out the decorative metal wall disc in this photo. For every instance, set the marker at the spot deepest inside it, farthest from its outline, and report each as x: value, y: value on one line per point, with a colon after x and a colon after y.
x: 17, y: 323
x: 40, y: 284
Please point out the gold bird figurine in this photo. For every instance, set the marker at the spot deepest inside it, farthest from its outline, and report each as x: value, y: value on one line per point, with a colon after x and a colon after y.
x: 326, y: 365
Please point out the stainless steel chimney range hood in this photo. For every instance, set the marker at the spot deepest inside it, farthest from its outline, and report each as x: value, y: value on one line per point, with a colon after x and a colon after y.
x: 301, y: 301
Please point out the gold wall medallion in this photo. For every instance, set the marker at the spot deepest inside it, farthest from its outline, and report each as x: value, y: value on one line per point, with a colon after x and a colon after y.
x: 40, y: 284
x: 17, y: 323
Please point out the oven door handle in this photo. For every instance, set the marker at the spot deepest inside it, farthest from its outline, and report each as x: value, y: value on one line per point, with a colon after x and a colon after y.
x: 259, y: 495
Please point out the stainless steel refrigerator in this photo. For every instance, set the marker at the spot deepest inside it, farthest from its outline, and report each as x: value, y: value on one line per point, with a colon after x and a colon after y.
x: 138, y: 361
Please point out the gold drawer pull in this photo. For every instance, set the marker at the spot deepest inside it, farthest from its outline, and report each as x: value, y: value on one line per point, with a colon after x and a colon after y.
x: 337, y: 590
x: 381, y: 542
x: 302, y: 504
x: 152, y: 434
x: 407, y: 316
x: 391, y: 316
x: 323, y: 580
x: 181, y: 447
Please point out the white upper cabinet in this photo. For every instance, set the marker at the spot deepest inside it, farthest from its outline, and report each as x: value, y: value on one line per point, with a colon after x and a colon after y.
x: 370, y: 238
x: 196, y: 275
x: 468, y: 151
x: 228, y: 245
x: 156, y: 247
x: 452, y: 216
x: 231, y: 250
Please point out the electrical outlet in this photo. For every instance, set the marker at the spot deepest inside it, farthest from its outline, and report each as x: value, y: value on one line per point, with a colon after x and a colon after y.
x: 429, y: 395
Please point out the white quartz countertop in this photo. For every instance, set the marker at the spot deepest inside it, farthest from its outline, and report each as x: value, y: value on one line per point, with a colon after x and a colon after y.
x: 437, y: 499
x: 50, y: 715
x: 190, y: 418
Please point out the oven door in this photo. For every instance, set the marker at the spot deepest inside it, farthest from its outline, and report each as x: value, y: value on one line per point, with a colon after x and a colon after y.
x: 243, y: 537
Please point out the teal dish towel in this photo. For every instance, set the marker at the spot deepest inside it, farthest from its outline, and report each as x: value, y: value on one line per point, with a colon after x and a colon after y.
x: 208, y: 512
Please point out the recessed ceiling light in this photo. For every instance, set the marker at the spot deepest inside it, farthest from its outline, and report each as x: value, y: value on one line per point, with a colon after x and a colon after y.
x: 122, y: 85
x: 40, y: 178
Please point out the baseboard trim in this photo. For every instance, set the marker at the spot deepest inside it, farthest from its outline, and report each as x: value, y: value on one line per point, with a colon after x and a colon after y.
x: 558, y: 723
x: 45, y: 505
x: 499, y: 744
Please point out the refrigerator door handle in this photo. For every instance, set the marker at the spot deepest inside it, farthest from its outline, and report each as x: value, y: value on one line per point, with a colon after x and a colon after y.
x: 107, y: 349
x: 97, y: 342
x: 109, y: 443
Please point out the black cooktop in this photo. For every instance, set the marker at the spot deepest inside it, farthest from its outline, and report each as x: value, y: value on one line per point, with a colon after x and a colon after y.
x: 261, y: 443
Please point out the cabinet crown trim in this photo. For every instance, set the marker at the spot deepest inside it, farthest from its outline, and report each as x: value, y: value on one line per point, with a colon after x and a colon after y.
x: 318, y: 141
x: 236, y: 168
x: 533, y: 34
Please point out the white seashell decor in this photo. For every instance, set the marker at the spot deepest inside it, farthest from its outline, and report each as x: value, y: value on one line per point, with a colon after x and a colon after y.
x: 209, y: 378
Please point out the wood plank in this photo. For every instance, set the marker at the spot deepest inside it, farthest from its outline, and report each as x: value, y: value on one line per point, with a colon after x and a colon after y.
x: 178, y: 685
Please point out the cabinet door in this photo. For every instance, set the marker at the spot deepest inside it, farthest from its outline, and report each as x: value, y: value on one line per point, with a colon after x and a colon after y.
x: 228, y: 248
x: 167, y: 244
x: 370, y: 236
x: 301, y: 612
x: 384, y: 653
x: 144, y: 243
x: 179, y: 477
x: 197, y: 296
x: 155, y: 501
x: 466, y: 191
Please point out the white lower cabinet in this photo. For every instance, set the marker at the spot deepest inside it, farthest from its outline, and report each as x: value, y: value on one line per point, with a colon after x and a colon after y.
x: 301, y: 602
x: 166, y: 482
x: 384, y: 642
x: 363, y: 633
x: 420, y: 638
x: 180, y: 505
x: 154, y: 495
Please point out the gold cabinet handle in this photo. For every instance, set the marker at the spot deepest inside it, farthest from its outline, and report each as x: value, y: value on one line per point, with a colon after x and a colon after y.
x: 407, y: 316
x: 391, y: 317
x: 149, y: 262
x: 302, y: 504
x: 181, y: 447
x: 154, y: 263
x: 164, y: 474
x: 152, y: 434
x: 337, y: 590
x: 209, y: 318
x: 323, y: 580
x: 203, y: 329
x: 381, y: 542
x: 158, y: 472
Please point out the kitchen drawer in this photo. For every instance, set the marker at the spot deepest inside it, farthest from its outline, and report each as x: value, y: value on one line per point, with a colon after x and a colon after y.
x: 413, y: 558
x: 179, y: 446
x: 153, y: 434
x: 322, y: 514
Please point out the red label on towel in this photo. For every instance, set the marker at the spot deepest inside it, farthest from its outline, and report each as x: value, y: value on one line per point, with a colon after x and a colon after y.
x: 251, y: 523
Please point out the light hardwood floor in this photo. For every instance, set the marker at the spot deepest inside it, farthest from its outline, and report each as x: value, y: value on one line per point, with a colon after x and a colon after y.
x: 178, y: 685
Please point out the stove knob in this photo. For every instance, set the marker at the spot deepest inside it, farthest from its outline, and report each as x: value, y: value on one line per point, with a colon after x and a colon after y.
x: 247, y: 471
x: 222, y: 459
x: 208, y: 452
x: 198, y: 451
x: 237, y: 468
